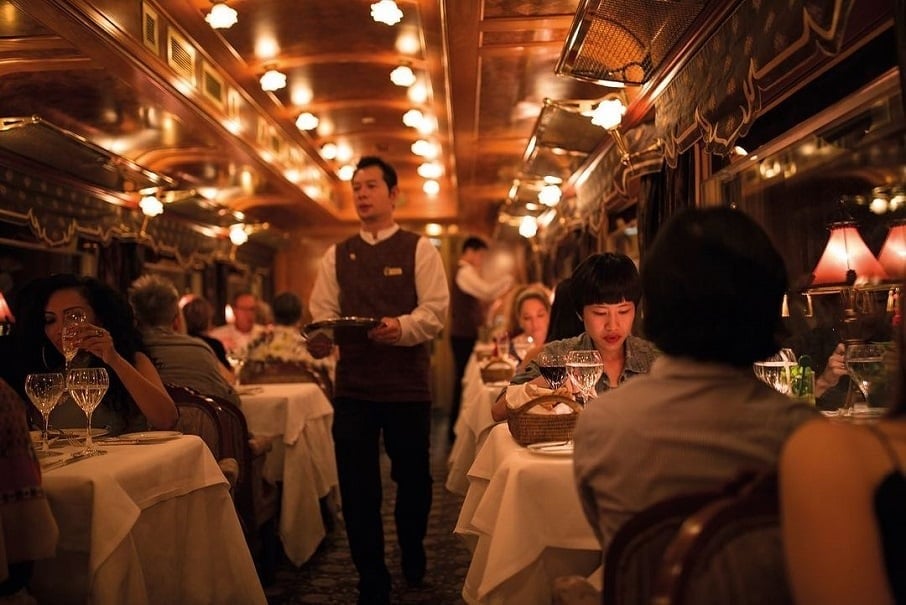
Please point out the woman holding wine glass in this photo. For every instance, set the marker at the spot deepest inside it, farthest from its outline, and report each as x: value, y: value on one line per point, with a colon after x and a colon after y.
x: 107, y: 339
x: 605, y: 289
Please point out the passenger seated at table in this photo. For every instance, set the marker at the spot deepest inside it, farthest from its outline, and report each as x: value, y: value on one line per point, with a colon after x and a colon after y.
x: 284, y: 343
x: 136, y: 397
x: 605, y: 290
x: 712, y: 286
x: 198, y: 314
x: 531, y: 314
x: 181, y: 360
x: 843, y: 497
x: 28, y: 531
x: 244, y: 329
x: 563, y: 321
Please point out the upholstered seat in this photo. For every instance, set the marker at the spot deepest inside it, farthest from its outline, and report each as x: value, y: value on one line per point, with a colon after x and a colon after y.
x: 730, y: 551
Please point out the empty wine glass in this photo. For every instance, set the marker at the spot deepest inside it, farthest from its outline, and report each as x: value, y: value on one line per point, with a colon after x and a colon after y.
x: 553, y: 368
x: 584, y: 369
x: 775, y: 370
x: 866, y: 367
x: 87, y: 387
x: 44, y: 390
x: 72, y: 320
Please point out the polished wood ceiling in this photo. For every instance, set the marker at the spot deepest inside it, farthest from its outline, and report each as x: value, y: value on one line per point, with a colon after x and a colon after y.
x: 486, y: 68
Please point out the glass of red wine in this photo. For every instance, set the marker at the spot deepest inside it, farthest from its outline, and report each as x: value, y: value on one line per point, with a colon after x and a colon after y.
x: 553, y: 368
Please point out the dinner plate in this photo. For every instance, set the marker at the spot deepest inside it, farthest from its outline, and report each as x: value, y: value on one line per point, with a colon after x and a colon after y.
x: 551, y: 448
x: 82, y: 433
x: 150, y: 436
x: 342, y: 330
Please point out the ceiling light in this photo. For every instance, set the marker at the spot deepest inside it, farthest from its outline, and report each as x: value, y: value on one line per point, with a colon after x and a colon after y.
x: 307, y: 121
x: 345, y: 172
x: 238, y: 234
x: 417, y: 93
x: 549, y: 195
x: 221, y: 16
x: 387, y: 12
x: 430, y: 170
x: 428, y: 125
x: 425, y: 149
x: 402, y: 75
x: 329, y: 151
x: 413, y: 118
x: 273, y: 80
x: 151, y: 206
x: 431, y: 188
x: 433, y: 229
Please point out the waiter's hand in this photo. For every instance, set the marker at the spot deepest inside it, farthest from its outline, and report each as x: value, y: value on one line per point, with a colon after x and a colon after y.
x: 319, y: 345
x: 387, y: 332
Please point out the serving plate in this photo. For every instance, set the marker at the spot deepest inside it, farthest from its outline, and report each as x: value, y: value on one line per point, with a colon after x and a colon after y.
x: 342, y: 330
x: 551, y: 448
x: 149, y: 436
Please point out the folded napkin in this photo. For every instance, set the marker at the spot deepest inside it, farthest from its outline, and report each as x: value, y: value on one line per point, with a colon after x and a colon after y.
x: 517, y: 395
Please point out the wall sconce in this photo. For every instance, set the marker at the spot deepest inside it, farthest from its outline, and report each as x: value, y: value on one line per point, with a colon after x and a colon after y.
x: 402, y: 75
x: 387, y: 12
x: 6, y: 317
x: 893, y: 252
x: 528, y: 227
x: 550, y: 195
x: 151, y: 206
x: 221, y: 16
x: 307, y: 121
x: 272, y: 79
x: 609, y: 115
x: 238, y: 234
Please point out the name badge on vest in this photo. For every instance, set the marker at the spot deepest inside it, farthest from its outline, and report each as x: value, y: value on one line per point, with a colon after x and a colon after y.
x: 392, y: 271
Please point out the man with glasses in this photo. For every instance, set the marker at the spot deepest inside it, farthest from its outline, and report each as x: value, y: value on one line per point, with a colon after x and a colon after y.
x: 236, y: 336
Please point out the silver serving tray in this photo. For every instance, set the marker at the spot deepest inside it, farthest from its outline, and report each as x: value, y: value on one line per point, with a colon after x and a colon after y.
x: 342, y: 330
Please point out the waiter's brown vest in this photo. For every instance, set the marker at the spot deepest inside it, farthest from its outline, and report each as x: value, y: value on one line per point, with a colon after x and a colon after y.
x: 379, y: 281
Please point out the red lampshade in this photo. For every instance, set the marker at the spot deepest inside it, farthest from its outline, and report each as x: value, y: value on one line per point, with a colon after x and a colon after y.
x: 846, y: 259
x: 6, y: 316
x: 893, y: 252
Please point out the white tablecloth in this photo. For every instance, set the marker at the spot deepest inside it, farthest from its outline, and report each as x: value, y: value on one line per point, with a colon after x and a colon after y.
x: 146, y: 524
x: 303, y: 457
x: 472, y: 426
x: 523, y: 520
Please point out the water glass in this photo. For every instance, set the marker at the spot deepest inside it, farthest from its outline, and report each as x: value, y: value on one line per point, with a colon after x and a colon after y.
x: 866, y: 366
x: 584, y: 369
x: 87, y: 387
x: 44, y: 391
x: 775, y: 371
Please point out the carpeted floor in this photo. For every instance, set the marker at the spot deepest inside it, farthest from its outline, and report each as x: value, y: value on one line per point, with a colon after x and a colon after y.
x: 329, y: 576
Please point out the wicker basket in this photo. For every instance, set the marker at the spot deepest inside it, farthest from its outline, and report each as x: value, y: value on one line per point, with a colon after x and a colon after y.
x: 497, y: 370
x: 529, y: 428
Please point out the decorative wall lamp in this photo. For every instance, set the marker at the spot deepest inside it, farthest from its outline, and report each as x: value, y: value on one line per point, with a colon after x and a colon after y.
x: 151, y: 206
x: 272, y: 79
x: 238, y: 234
x: 6, y: 317
x: 893, y: 252
x: 608, y: 114
x: 221, y: 16
x: 386, y: 12
x: 846, y: 259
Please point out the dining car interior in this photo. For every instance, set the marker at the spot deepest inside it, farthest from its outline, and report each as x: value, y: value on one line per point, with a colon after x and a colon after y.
x: 215, y: 145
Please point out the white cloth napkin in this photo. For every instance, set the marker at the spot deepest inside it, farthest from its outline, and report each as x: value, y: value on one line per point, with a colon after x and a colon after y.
x: 517, y: 395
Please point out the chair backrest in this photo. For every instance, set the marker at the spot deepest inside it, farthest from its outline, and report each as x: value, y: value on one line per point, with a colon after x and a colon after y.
x: 633, y: 557
x: 730, y: 551
x: 198, y: 415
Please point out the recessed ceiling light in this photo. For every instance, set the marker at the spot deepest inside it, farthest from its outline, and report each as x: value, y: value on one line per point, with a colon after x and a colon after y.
x: 221, y: 16
x: 387, y: 12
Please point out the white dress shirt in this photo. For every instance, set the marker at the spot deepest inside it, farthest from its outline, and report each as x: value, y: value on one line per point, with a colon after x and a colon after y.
x: 424, y: 322
x: 471, y: 282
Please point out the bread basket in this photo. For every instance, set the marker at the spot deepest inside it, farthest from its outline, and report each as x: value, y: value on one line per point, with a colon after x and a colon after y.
x: 497, y: 369
x: 529, y: 428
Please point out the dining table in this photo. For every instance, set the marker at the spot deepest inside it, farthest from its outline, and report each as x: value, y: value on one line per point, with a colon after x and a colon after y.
x: 149, y: 521
x: 299, y: 417
x: 472, y: 425
x: 523, y: 522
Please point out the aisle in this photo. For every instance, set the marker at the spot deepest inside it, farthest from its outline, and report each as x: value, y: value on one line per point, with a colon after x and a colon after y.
x: 329, y: 576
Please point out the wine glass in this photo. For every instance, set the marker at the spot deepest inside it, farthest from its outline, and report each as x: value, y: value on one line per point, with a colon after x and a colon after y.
x: 44, y: 390
x: 553, y: 368
x: 522, y: 345
x: 866, y: 367
x: 72, y: 321
x: 775, y: 370
x: 87, y: 387
x: 584, y: 369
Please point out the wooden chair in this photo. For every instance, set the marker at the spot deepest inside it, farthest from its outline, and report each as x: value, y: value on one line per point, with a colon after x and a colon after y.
x: 634, y: 555
x: 200, y: 415
x: 730, y: 551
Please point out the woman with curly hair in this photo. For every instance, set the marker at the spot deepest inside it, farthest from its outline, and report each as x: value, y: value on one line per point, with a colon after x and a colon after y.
x: 108, y: 338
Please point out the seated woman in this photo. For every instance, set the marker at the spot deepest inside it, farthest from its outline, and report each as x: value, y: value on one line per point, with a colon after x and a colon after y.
x: 532, y: 310
x: 198, y: 315
x: 606, y: 290
x: 843, y: 493
x: 108, y: 338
